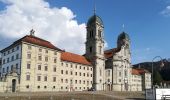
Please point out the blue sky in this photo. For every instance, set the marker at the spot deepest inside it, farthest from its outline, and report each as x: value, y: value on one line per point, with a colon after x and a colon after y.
x: 144, y: 20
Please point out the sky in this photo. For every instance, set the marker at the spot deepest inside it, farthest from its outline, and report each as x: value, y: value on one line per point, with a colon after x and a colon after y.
x: 63, y: 22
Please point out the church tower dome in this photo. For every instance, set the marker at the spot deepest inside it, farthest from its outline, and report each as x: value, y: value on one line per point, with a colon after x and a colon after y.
x: 94, y: 19
x: 123, y: 39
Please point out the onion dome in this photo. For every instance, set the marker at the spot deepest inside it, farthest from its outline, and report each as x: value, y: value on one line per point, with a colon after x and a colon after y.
x: 123, y: 36
x: 94, y: 19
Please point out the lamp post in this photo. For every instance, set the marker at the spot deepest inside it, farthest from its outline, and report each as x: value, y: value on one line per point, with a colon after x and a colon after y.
x: 162, y: 64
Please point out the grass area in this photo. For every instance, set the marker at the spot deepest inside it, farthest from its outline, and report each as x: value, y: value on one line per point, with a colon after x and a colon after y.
x: 72, y: 96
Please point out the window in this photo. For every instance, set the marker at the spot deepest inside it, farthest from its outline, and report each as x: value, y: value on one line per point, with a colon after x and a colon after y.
x: 38, y: 87
x: 91, y: 33
x: 100, y: 81
x: 38, y: 78
x: 125, y: 72
x: 84, y: 74
x: 119, y: 80
x: 100, y: 33
x: 7, y: 60
x: 29, y: 47
x: 55, y: 53
x: 61, y: 71
x: 76, y: 81
x: 28, y: 65
x: 12, y: 67
x: 71, y: 73
x: 66, y: 80
x: 87, y: 82
x: 87, y: 74
x: 46, y: 59
x: 28, y: 56
x: 53, y: 87
x: 40, y: 50
x: 7, y: 69
x: 76, y: 73
x: 45, y: 78
x: 13, y: 50
x: 40, y: 58
x: 79, y: 81
x: 8, y: 52
x: 100, y: 72
x: 12, y: 58
x: 17, y: 47
x: 4, y: 54
x: 61, y: 80
x: 100, y: 49
x: 80, y: 73
x: 45, y: 87
x: 84, y: 68
x: 119, y: 73
x: 54, y: 79
x: 54, y: 69
x: 66, y: 72
x: 46, y: 51
x: 55, y: 60
x: 16, y: 66
x: 27, y: 77
x: 80, y: 67
x: 108, y: 72
x: 17, y: 56
x: 27, y: 87
x: 90, y: 49
x: 3, y: 70
x: 3, y: 61
x: 46, y: 68
x: 39, y: 67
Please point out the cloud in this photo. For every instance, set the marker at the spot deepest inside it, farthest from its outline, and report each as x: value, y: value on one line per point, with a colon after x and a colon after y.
x: 166, y: 11
x: 58, y: 25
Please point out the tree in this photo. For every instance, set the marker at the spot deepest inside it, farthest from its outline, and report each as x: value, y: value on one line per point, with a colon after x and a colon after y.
x: 157, y: 78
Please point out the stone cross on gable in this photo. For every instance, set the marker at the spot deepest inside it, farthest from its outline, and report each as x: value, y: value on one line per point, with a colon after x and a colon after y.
x: 32, y: 32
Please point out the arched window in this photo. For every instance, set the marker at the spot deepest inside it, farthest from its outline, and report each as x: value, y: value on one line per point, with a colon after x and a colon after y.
x: 90, y: 49
x: 100, y: 72
x: 100, y: 33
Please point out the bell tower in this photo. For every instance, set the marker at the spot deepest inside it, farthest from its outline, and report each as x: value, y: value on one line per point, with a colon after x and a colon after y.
x: 95, y: 50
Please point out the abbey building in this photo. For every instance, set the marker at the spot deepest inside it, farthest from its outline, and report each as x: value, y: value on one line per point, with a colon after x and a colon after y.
x: 35, y: 65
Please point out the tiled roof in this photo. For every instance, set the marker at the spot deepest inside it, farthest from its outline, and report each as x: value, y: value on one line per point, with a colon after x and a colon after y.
x: 67, y: 56
x: 139, y: 71
x: 109, y: 53
x: 34, y: 40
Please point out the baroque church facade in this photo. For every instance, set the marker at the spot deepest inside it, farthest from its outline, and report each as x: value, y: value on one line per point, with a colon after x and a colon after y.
x: 34, y: 64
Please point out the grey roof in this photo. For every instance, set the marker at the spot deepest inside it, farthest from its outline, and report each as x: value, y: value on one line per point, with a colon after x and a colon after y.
x: 94, y: 19
x: 123, y: 35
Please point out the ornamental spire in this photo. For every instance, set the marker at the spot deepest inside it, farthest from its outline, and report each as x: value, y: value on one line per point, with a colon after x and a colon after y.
x: 94, y: 7
x: 32, y: 32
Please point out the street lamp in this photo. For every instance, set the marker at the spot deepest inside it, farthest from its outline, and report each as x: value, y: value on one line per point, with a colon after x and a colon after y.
x: 162, y: 64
